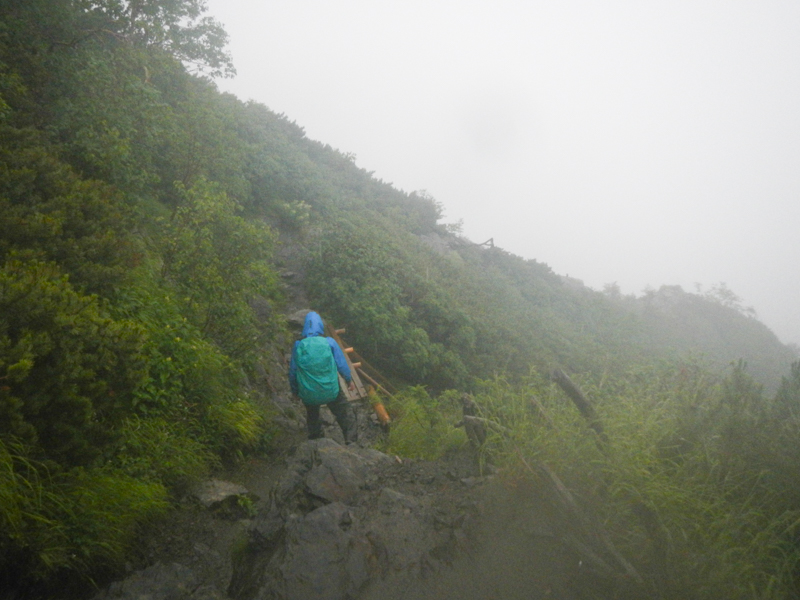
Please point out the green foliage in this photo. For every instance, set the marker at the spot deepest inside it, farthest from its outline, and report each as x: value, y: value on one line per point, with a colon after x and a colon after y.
x: 110, y: 118
x: 444, y: 317
x: 218, y: 262
x: 358, y: 274
x: 422, y: 426
x: 106, y: 400
x: 190, y: 381
x: 715, y: 324
x: 46, y: 211
x: 787, y: 399
x: 238, y: 422
x: 176, y: 27
x: 723, y: 295
x: 693, y: 452
x: 246, y: 505
x: 199, y: 138
x: 68, y: 369
x: 103, y: 510
x: 74, y: 521
x: 163, y: 450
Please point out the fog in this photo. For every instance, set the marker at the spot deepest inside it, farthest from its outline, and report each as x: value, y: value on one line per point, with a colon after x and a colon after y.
x: 642, y: 143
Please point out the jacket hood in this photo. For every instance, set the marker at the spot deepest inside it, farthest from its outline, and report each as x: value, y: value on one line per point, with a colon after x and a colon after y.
x: 313, y: 325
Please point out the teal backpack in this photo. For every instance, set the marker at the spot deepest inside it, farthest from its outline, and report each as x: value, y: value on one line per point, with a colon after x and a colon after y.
x: 317, y: 377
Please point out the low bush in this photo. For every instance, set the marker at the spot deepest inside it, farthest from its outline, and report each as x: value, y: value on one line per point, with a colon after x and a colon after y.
x: 162, y: 450
x: 422, y: 425
x: 74, y: 521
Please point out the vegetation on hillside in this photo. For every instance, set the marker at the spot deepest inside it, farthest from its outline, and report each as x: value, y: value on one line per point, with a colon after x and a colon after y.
x: 141, y: 213
x: 684, y: 484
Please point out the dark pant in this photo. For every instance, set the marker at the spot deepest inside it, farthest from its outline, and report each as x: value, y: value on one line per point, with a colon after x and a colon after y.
x: 343, y: 412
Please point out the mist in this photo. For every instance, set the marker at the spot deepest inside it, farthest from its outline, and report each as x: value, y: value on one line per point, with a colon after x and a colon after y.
x: 637, y: 143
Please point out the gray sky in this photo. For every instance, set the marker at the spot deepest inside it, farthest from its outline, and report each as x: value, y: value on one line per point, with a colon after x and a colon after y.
x: 638, y: 142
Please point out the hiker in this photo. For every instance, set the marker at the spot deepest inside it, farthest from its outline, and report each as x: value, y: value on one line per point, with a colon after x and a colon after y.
x: 317, y: 362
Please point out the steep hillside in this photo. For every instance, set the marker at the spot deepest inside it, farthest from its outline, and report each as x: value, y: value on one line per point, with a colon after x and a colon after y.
x: 147, y: 227
x: 722, y: 332
x: 433, y: 307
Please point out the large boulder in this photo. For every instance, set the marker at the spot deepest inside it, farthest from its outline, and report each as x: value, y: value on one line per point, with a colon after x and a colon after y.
x: 342, y: 522
x: 326, y: 556
x: 328, y: 471
x: 335, y: 528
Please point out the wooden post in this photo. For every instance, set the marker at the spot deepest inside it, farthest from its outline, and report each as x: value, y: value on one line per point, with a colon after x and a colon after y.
x: 476, y: 432
x: 581, y: 402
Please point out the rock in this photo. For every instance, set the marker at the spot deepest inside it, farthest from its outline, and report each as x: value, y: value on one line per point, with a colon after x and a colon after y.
x: 473, y: 481
x: 285, y: 405
x: 366, y: 536
x: 161, y: 582
x: 298, y: 318
x: 328, y: 471
x: 326, y: 560
x: 391, y: 499
x: 342, y: 522
x: 267, y: 528
x: 288, y: 486
x: 215, y: 491
x: 338, y: 475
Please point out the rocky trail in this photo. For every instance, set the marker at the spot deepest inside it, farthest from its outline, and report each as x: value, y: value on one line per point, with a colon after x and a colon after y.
x: 325, y: 521
x: 336, y: 522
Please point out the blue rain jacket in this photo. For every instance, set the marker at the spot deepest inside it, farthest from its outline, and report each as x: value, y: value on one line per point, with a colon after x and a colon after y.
x: 314, y: 326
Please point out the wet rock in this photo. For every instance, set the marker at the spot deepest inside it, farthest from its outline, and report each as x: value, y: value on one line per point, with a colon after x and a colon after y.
x: 162, y: 582
x: 298, y: 318
x: 328, y: 471
x: 325, y: 559
x: 267, y: 528
x: 214, y: 492
x: 290, y: 413
x: 347, y: 520
x: 342, y: 522
x: 391, y: 499
x: 338, y: 474
x: 473, y: 481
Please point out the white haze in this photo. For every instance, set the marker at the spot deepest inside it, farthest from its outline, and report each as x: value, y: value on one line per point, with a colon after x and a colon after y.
x: 637, y: 142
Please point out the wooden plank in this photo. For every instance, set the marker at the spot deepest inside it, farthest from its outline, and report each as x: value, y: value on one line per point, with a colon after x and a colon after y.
x: 367, y: 369
x: 377, y: 385
x: 360, y: 391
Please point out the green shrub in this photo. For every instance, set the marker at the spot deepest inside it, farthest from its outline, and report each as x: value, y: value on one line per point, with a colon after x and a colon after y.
x: 48, y: 212
x: 76, y: 521
x: 238, y: 423
x: 190, y: 379
x: 68, y: 369
x: 217, y: 263
x: 156, y: 449
x: 422, y: 426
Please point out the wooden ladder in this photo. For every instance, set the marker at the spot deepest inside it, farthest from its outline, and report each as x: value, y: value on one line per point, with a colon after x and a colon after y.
x: 363, y: 374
